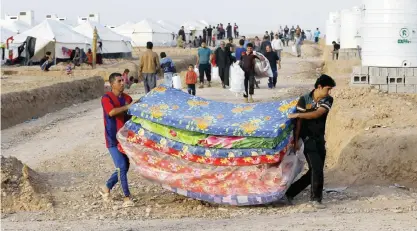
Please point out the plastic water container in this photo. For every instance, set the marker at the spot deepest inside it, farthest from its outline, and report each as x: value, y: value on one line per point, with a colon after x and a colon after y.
x: 176, y: 80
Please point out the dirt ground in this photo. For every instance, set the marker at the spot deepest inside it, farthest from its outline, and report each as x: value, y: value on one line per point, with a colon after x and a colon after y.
x: 370, y: 175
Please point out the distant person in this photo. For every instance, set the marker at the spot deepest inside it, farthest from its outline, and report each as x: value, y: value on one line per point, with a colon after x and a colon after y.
x: 257, y: 44
x: 229, y: 30
x: 181, y: 33
x: 286, y: 30
x: 265, y: 43
x: 191, y: 80
x: 316, y: 35
x: 205, y: 34
x: 277, y: 46
x: 46, y: 62
x: 231, y: 45
x: 68, y: 69
x: 149, y: 67
x: 203, y: 63
x: 292, y: 33
x: 274, y: 61
x: 335, y: 52
x: 297, y: 43
x: 311, y: 116
x: 115, y: 104
x: 135, y: 84
x: 248, y: 66
x: 240, y: 49
x: 168, y: 68
x: 209, y: 35
x: 76, y: 57
x: 100, y: 53
x: 287, y: 38
x: 125, y: 77
x: 246, y: 42
x: 236, y: 31
x: 271, y: 36
x: 215, y: 36
x: 223, y: 60
x: 89, y: 57
x: 298, y: 30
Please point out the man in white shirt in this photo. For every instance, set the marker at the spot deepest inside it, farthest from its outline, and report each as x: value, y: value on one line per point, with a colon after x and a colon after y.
x: 277, y: 46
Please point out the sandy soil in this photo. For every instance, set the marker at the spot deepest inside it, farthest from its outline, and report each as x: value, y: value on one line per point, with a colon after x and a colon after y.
x: 67, y: 149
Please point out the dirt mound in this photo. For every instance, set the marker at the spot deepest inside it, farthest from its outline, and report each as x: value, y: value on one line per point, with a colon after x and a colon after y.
x: 311, y: 50
x: 335, y: 67
x: 22, y: 189
x: 375, y: 145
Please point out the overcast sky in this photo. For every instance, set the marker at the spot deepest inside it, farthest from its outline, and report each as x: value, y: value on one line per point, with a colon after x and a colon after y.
x: 252, y: 16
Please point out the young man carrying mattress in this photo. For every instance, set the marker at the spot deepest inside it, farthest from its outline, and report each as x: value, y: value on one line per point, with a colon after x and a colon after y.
x: 312, y: 111
x: 115, y: 104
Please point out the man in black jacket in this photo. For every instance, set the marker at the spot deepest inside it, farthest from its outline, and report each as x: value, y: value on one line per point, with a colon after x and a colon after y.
x: 223, y: 59
x: 182, y: 33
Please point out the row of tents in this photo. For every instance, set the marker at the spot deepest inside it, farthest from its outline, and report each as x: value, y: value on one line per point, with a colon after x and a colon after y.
x: 58, y: 38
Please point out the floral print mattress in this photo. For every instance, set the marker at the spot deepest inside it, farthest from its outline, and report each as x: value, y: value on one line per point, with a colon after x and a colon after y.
x: 175, y: 108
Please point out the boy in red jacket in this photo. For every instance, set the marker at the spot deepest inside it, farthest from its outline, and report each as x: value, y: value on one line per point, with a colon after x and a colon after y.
x: 191, y: 79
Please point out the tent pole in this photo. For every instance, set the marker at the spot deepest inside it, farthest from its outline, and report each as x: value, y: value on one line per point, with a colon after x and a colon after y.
x: 55, y: 52
x: 94, y: 48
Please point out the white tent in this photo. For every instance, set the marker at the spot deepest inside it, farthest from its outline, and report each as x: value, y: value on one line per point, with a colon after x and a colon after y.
x: 54, y: 36
x: 14, y: 26
x: 113, y: 43
x: 125, y: 29
x: 194, y: 26
x: 204, y: 22
x: 171, y: 26
x: 5, y: 34
x: 150, y: 31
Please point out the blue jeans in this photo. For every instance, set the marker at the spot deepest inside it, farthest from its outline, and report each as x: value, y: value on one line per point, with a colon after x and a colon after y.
x: 273, y: 80
x: 121, y: 162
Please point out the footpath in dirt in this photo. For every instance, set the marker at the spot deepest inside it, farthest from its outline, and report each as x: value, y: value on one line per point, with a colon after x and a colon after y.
x: 370, y: 182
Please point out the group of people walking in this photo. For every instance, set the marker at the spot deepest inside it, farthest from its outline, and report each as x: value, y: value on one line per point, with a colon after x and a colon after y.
x: 210, y: 35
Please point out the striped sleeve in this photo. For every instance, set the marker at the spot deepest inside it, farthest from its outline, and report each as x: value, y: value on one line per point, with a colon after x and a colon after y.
x: 301, y: 105
x: 326, y: 103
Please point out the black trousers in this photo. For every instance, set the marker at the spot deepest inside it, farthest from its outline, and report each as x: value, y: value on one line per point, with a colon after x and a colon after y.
x: 315, y: 153
x: 224, y: 74
x: 249, y: 84
x: 204, y: 68
x: 191, y: 89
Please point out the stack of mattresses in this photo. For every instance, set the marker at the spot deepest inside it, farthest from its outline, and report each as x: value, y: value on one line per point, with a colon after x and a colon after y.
x: 217, y: 152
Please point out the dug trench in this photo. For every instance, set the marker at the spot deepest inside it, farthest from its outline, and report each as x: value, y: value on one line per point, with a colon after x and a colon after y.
x: 18, y: 107
x: 36, y: 102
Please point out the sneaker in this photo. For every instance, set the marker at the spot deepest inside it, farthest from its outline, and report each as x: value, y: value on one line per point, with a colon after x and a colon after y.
x: 105, y: 195
x: 246, y: 100
x: 209, y: 84
x: 128, y: 203
x: 251, y: 99
x: 317, y: 205
x: 201, y: 85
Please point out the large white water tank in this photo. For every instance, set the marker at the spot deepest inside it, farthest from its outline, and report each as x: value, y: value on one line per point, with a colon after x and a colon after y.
x: 349, y: 28
x: 389, y: 33
x: 333, y: 28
